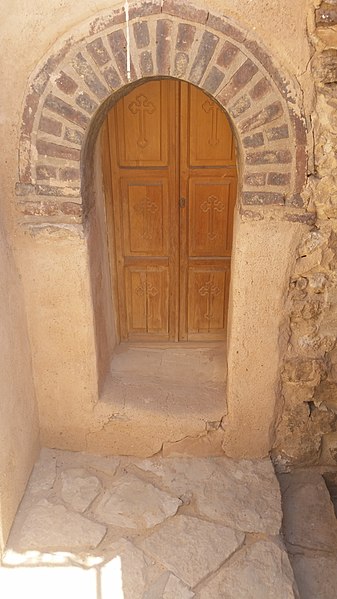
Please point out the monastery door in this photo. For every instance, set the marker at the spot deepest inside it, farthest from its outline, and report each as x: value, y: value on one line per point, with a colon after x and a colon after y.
x: 173, y: 184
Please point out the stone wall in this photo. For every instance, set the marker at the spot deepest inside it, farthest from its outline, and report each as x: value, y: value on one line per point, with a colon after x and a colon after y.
x: 306, y: 432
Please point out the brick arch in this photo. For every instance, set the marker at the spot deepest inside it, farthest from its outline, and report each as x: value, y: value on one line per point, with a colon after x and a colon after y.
x: 178, y: 40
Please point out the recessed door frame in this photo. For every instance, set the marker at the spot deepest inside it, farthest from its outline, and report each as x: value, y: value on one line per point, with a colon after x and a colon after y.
x: 188, y: 176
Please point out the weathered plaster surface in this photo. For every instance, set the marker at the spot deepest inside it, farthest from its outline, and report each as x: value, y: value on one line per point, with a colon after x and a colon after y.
x: 18, y: 414
x: 54, y: 263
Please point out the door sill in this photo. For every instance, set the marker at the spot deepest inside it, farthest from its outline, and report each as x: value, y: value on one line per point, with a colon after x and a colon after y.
x: 182, y: 380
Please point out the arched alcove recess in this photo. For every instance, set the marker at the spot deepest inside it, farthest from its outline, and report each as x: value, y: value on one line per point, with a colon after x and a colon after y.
x: 67, y: 100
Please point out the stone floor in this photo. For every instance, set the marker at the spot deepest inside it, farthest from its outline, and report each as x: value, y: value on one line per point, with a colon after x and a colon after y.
x: 160, y: 528
x: 186, y: 376
x: 310, y: 530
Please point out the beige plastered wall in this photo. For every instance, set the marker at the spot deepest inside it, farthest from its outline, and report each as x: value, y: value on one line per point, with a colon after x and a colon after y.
x: 55, y: 263
x: 18, y: 414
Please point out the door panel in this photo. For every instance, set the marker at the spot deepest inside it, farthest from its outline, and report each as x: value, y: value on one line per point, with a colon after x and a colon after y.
x: 174, y: 188
x: 207, y: 300
x: 208, y: 180
x: 142, y: 126
x: 211, y: 138
x: 210, y: 208
x: 145, y: 217
x: 147, y: 292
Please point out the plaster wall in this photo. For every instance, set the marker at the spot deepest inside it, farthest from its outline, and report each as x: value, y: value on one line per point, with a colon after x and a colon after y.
x: 263, y: 257
x: 18, y: 414
x: 55, y: 262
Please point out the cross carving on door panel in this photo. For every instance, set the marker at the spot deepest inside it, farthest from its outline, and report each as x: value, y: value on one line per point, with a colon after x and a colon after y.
x: 146, y: 288
x: 142, y: 106
x: 211, y: 205
x: 146, y: 208
x: 210, y: 290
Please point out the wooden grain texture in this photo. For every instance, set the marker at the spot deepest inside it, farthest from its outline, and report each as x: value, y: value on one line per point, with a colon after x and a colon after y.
x: 173, y: 184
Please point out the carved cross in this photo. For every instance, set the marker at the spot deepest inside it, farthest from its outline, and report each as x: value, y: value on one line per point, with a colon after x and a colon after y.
x: 141, y: 106
x: 212, y: 205
x: 210, y: 290
x: 150, y: 291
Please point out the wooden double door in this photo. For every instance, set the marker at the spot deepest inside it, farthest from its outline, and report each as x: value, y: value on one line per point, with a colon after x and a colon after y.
x: 171, y: 180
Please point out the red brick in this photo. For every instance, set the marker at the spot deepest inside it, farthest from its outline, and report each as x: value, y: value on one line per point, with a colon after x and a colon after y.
x: 74, y: 136
x: 163, y: 41
x: 262, y: 198
x: 255, y: 179
x: 266, y: 115
x: 145, y: 8
x: 181, y: 62
x: 213, y: 80
x: 278, y: 178
x: 69, y: 174
x: 24, y: 189
x: 42, y: 208
x: 32, y: 102
x: 307, y: 218
x: 45, y: 171
x: 71, y: 209
x: 98, y: 52
x: 205, y: 52
x: 56, y: 191
x: 46, y: 148
x: 261, y: 89
x: 184, y: 11
x: 51, y: 126
x: 112, y: 78
x: 117, y: 42
x: 240, y: 106
x: 269, y: 157
x: 57, y: 105
x: 101, y: 23
x: 239, y: 80
x: 268, y: 64
x: 227, y: 55
x: 301, y: 168
x: 185, y: 37
x: 85, y: 71
x: 281, y: 132
x: 253, y: 141
x: 220, y: 25
x: 84, y: 101
x: 66, y: 83
x: 142, y: 34
x: 146, y: 64
x: 42, y: 78
x: 299, y: 128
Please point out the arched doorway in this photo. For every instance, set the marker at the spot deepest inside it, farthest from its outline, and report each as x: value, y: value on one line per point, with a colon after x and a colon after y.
x: 172, y: 175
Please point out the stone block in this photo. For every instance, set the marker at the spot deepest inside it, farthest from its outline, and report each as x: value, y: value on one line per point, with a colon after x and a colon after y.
x: 192, y: 548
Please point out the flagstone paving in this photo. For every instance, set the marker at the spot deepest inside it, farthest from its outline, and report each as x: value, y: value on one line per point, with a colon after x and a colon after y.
x: 159, y: 528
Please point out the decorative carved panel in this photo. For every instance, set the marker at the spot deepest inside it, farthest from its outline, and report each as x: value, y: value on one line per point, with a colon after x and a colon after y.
x: 211, y: 141
x: 145, y: 217
x: 142, y: 126
x: 147, y: 300
x: 210, y: 216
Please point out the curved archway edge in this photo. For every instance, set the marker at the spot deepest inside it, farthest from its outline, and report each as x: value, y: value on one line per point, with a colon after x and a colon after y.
x: 178, y: 40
